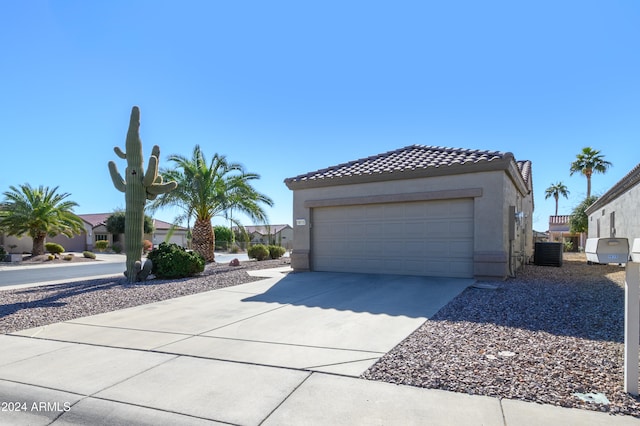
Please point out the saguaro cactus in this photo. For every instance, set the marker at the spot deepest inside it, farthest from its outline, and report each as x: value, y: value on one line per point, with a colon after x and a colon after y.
x: 138, y: 187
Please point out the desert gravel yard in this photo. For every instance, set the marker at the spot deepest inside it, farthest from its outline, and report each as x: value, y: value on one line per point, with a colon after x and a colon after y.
x: 549, y: 335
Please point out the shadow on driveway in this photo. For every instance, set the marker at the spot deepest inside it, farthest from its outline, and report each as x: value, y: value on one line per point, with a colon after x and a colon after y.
x: 395, y: 295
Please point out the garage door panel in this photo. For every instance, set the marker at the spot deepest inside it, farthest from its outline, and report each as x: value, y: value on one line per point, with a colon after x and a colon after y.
x: 417, y: 238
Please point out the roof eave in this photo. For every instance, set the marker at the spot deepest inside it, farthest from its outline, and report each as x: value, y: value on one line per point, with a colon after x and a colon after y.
x: 506, y: 163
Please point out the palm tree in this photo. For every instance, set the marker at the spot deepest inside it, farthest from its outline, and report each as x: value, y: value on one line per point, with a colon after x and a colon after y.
x: 206, y: 190
x: 38, y: 213
x: 588, y: 162
x: 555, y: 190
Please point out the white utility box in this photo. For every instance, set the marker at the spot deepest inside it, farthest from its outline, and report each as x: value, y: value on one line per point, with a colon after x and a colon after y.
x: 635, y: 250
x: 607, y: 250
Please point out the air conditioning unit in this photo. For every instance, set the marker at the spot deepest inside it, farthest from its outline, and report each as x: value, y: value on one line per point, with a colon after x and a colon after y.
x: 607, y: 250
x: 548, y: 254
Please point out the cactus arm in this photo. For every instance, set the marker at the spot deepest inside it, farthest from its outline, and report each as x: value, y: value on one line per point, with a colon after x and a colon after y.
x: 120, y: 153
x: 152, y: 172
x: 163, y: 188
x: 118, y: 182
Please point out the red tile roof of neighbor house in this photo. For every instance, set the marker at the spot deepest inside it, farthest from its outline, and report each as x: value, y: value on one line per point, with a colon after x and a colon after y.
x: 98, y: 219
x: 264, y: 229
x: 408, y: 159
x: 559, y: 220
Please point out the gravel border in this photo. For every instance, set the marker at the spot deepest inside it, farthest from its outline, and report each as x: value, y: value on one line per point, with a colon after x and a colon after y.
x: 37, y: 306
x: 544, y: 336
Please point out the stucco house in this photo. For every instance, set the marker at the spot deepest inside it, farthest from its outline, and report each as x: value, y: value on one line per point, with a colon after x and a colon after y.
x: 417, y: 210
x: 269, y: 234
x: 94, y: 230
x: 615, y: 213
x: 559, y: 232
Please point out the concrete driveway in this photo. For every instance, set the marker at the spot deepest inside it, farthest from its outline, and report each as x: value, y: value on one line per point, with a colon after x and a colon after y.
x: 318, y: 321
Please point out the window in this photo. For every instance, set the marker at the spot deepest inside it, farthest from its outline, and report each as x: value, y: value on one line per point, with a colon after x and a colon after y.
x: 102, y: 237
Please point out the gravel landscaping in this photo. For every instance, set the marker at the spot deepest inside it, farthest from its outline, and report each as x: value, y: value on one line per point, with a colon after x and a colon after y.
x: 545, y: 336
x: 549, y: 335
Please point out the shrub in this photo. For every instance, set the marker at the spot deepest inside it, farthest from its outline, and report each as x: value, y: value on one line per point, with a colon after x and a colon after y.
x: 68, y: 256
x: 102, y: 245
x: 258, y: 252
x: 234, y: 249
x: 50, y: 257
x: 276, y: 252
x: 89, y: 255
x: 117, y: 248
x: 147, y: 246
x: 172, y: 261
x: 3, y: 252
x: 54, y: 248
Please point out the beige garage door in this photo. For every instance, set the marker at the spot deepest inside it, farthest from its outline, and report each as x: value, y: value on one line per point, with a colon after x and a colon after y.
x: 432, y: 238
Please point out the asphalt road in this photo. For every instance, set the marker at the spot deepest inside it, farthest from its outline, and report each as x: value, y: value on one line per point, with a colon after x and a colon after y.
x: 10, y: 276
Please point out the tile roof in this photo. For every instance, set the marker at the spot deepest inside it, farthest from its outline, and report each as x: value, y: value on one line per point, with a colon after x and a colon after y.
x: 408, y: 160
x: 264, y: 229
x: 97, y: 219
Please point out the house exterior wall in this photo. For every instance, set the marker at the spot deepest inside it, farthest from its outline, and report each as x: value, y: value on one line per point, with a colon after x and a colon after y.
x: 624, y: 208
x: 488, y: 190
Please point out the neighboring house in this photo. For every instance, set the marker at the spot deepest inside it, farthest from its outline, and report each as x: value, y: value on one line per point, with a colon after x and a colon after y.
x: 418, y: 210
x: 95, y: 230
x: 269, y: 234
x: 615, y: 213
x: 559, y: 232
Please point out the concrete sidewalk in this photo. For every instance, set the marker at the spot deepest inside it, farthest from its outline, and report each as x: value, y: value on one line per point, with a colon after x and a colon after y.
x: 284, y: 350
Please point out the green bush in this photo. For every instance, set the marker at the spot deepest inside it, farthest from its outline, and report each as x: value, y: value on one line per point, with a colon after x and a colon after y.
x: 276, y: 252
x: 3, y: 252
x: 102, y: 245
x: 172, y: 261
x: 117, y: 248
x: 54, y: 248
x: 68, y: 256
x: 258, y: 252
x: 50, y: 257
x: 89, y: 255
x: 234, y: 249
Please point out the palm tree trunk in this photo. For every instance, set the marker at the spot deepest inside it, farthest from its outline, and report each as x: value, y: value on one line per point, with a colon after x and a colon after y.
x: 38, y: 245
x: 556, y: 196
x: 203, y: 239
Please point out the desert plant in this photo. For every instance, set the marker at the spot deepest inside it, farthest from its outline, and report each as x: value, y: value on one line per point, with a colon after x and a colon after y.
x: 172, y: 261
x: 50, y: 257
x: 138, y: 187
x: 117, y: 248
x: 568, y: 245
x: 68, y: 257
x: 209, y: 189
x: 89, y: 255
x: 234, y: 249
x: 587, y: 162
x: 276, y: 252
x: 38, y: 212
x: 54, y: 248
x: 258, y: 252
x: 102, y: 245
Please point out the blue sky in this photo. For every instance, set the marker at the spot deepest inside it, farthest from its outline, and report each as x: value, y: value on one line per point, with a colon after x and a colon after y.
x: 289, y: 87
